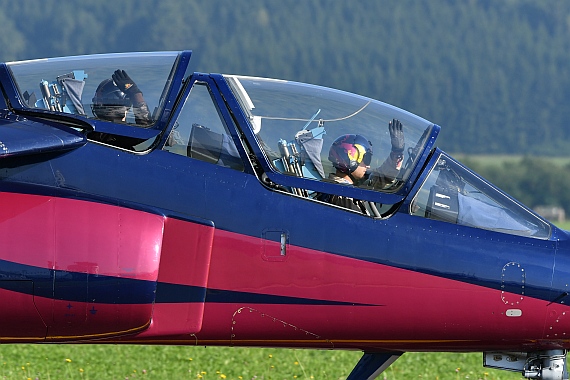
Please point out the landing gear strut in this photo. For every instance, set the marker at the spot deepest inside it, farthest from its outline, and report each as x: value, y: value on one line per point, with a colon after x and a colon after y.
x: 372, y: 364
x: 547, y: 365
x: 544, y: 365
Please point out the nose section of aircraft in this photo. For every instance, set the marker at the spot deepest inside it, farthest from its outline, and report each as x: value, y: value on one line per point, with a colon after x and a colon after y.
x: 557, y: 325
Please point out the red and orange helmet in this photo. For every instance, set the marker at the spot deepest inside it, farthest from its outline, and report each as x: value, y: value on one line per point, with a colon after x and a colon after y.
x: 347, y: 152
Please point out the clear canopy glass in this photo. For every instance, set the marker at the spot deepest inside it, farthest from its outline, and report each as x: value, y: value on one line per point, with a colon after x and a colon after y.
x: 454, y: 194
x: 68, y: 84
x: 280, y: 111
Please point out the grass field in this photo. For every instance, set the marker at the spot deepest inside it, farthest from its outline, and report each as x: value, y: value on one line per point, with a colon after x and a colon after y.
x: 564, y: 225
x: 166, y: 362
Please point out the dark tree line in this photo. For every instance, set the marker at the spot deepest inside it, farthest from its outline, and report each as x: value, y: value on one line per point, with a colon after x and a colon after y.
x: 534, y: 181
x: 494, y: 74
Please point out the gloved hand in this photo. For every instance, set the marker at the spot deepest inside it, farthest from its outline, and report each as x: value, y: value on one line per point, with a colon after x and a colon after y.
x: 125, y: 83
x: 396, y: 136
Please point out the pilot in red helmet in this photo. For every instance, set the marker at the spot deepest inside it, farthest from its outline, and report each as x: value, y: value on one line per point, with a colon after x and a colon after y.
x: 351, y: 155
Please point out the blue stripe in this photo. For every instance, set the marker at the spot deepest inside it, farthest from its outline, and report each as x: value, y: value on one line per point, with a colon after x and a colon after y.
x: 82, y: 287
x: 228, y: 296
x: 173, y: 293
x: 74, y: 286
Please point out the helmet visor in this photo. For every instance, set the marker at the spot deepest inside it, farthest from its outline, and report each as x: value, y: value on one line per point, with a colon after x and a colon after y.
x: 367, y: 158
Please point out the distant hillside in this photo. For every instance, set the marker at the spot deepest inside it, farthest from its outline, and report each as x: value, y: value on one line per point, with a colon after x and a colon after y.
x: 494, y: 74
x: 535, y: 181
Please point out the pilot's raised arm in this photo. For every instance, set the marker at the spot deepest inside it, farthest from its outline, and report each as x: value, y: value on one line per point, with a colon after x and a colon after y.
x: 385, y: 175
x: 135, y: 95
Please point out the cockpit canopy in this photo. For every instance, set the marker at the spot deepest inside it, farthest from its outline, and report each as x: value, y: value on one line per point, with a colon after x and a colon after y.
x: 291, y: 118
x: 69, y: 84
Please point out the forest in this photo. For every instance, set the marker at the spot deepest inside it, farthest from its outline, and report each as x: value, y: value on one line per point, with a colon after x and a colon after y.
x: 495, y: 75
x: 532, y: 180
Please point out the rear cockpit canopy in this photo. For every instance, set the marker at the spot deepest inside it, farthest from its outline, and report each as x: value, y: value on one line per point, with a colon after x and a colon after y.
x: 68, y: 84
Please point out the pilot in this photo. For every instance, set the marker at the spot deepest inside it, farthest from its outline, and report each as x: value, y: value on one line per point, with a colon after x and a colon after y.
x: 351, y: 155
x: 115, y: 96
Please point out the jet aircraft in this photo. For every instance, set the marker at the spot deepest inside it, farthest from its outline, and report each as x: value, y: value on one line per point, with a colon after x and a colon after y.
x: 143, y: 203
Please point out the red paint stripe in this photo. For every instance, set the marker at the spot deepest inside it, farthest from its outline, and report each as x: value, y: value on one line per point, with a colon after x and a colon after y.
x: 186, y: 253
x: 414, y: 309
x: 80, y: 236
x: 411, y: 305
x: 19, y: 317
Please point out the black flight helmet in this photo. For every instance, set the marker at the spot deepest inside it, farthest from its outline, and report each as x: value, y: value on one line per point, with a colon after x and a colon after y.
x: 109, y: 102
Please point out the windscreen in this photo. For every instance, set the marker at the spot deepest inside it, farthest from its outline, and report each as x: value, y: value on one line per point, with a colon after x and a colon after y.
x: 452, y: 193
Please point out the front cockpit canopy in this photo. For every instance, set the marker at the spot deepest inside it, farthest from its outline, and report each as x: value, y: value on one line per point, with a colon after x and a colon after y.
x: 291, y: 119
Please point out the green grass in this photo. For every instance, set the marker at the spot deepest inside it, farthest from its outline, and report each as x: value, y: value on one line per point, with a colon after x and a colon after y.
x: 128, y: 362
x: 564, y: 225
